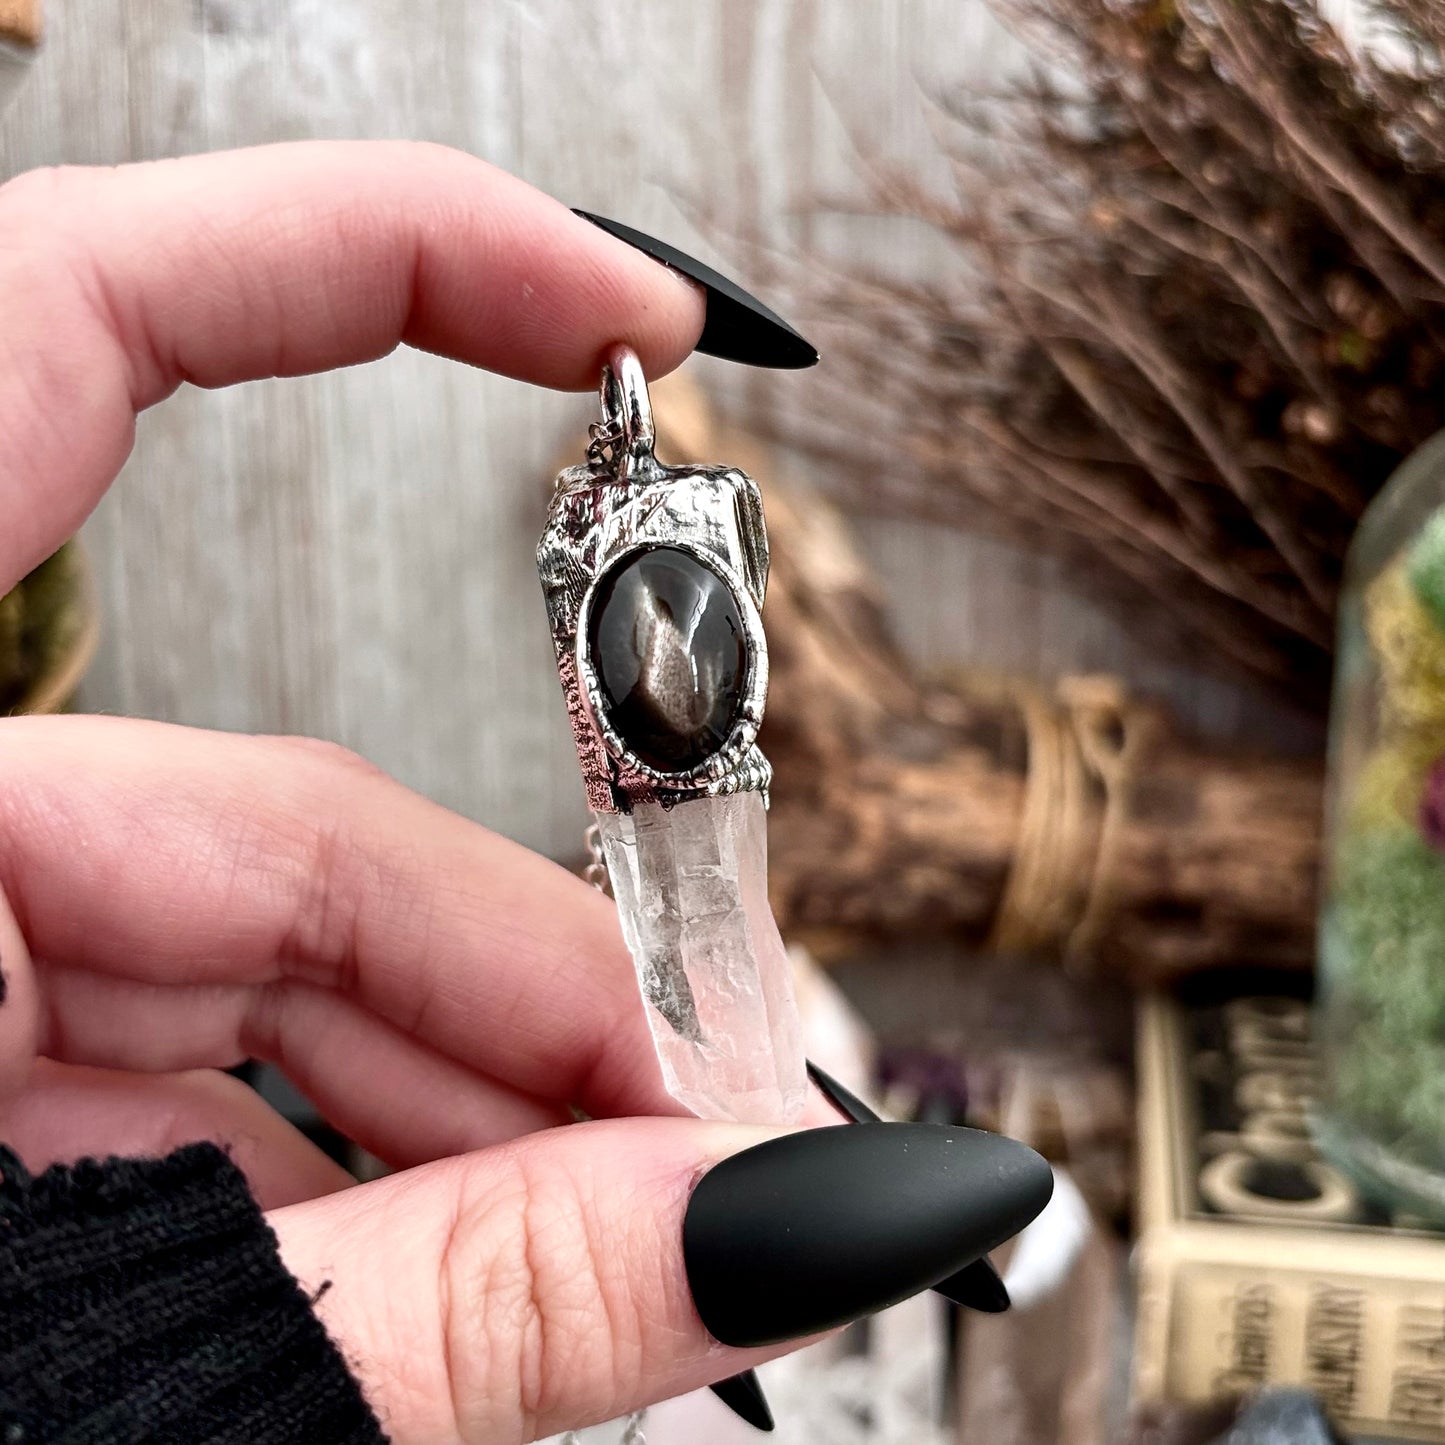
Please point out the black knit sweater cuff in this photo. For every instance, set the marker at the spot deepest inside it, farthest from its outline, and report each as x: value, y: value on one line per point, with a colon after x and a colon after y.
x: 144, y: 1300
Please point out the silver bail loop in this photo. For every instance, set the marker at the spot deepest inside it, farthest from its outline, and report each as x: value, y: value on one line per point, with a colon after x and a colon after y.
x: 627, y: 413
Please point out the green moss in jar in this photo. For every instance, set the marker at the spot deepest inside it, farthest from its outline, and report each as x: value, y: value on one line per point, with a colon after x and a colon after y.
x: 1380, y: 1013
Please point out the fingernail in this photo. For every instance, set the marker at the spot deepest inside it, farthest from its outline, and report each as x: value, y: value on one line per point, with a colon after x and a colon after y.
x: 738, y: 326
x: 811, y: 1230
x: 743, y: 1395
x: 977, y: 1285
x: 847, y: 1104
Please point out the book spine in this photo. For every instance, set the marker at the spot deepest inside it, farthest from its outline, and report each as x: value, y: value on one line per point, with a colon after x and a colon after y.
x: 1373, y: 1348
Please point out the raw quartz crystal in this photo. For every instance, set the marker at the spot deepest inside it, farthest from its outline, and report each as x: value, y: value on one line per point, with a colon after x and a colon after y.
x: 691, y: 889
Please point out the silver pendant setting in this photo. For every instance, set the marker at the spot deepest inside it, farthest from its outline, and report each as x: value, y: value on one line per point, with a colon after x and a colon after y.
x: 654, y: 579
x: 603, y: 515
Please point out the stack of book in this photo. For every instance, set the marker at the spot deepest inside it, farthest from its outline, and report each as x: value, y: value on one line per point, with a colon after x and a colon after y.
x: 1258, y: 1261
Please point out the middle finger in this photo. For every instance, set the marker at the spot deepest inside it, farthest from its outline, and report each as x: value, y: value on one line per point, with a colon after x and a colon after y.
x: 385, y: 1090
x: 154, y: 854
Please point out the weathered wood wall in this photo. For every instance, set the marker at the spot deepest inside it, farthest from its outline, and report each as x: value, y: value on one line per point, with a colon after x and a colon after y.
x: 351, y: 556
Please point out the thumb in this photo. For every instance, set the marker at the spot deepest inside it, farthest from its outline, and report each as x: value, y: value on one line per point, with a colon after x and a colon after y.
x: 574, y: 1275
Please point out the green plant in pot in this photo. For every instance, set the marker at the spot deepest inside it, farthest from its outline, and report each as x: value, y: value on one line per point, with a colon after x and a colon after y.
x: 48, y: 631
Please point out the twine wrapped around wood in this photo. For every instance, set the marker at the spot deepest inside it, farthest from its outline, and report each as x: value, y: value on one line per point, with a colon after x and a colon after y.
x: 1085, y: 745
x: 1074, y: 824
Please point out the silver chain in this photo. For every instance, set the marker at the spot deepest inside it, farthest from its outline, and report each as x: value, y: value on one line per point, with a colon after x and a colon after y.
x: 602, y: 443
x: 631, y: 1432
x: 595, y: 873
x: 603, y: 440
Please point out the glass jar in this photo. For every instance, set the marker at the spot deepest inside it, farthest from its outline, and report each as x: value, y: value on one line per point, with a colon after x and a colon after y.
x: 1380, y: 1011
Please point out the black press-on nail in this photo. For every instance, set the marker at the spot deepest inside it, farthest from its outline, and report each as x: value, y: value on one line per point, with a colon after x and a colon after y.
x: 743, y: 1395
x: 976, y: 1286
x: 738, y: 326
x: 847, y: 1103
x: 811, y: 1230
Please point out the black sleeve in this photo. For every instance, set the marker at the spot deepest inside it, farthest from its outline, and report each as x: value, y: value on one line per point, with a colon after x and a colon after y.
x: 145, y: 1301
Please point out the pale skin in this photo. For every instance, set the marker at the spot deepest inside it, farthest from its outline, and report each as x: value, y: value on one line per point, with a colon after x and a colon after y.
x: 173, y: 901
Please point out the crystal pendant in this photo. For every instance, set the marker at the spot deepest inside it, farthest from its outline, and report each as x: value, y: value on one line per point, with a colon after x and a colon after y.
x: 654, y: 578
x: 691, y: 889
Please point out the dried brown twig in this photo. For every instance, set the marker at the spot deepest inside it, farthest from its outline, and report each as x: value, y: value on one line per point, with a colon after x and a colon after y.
x: 1198, y: 314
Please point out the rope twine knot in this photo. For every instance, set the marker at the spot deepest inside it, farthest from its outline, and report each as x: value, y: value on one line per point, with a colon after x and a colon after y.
x: 1085, y: 741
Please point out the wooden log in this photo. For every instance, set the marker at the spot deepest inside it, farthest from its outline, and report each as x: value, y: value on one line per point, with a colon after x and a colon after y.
x: 1077, y: 826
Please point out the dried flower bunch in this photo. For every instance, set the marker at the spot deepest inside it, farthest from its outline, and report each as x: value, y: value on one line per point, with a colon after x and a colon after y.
x: 1198, y: 311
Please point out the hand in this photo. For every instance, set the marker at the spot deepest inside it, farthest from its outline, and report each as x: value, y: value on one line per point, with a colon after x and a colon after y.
x: 176, y: 901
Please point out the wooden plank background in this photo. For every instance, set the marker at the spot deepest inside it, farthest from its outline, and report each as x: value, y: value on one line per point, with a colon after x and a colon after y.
x: 351, y: 556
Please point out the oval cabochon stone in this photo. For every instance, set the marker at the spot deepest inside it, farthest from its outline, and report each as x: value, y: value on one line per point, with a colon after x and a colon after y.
x: 667, y: 645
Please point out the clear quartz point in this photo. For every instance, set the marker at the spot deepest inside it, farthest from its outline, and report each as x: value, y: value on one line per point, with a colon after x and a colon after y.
x: 691, y: 889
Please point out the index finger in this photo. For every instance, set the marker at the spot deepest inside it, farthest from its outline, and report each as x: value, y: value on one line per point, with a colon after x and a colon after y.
x: 116, y: 285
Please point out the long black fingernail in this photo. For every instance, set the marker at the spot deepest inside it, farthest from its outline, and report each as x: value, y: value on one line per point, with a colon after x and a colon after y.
x: 810, y: 1230
x: 847, y: 1104
x: 743, y: 1395
x: 976, y: 1285
x: 738, y: 327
